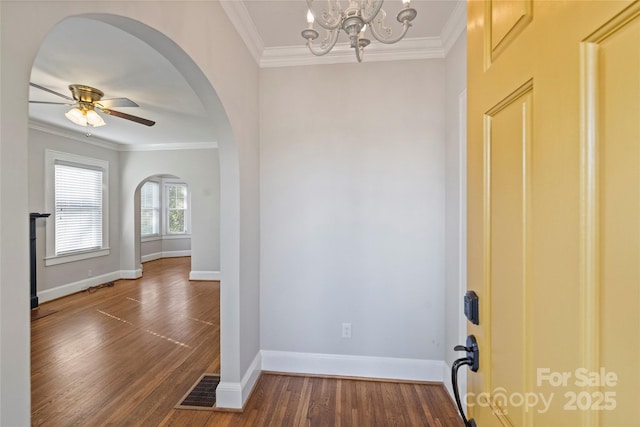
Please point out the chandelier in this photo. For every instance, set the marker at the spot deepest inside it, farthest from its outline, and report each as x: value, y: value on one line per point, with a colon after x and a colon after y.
x: 354, y: 20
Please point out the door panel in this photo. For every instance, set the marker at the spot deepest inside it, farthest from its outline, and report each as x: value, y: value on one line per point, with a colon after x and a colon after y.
x: 613, y: 54
x: 508, y: 154
x: 553, y: 178
x: 505, y: 18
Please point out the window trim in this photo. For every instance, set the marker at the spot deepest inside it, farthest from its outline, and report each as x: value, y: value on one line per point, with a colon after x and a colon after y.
x: 51, y: 158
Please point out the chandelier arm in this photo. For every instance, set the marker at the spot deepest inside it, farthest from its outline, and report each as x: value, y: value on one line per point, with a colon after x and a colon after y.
x: 324, y: 23
x: 326, y: 48
x: 382, y: 39
x: 377, y: 5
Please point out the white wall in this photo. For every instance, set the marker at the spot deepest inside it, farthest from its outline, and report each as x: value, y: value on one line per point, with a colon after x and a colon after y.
x: 352, y: 210
x: 216, y: 63
x: 455, y: 322
x: 150, y: 249
x: 86, y: 272
x: 156, y: 248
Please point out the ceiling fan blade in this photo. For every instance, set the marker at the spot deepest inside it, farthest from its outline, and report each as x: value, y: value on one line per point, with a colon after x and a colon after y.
x: 117, y: 102
x: 52, y: 103
x: 136, y: 119
x: 51, y: 91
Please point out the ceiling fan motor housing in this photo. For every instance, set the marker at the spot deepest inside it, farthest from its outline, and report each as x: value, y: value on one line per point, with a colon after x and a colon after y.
x: 86, y: 94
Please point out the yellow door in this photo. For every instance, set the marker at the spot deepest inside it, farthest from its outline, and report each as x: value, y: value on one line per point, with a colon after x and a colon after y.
x: 554, y: 211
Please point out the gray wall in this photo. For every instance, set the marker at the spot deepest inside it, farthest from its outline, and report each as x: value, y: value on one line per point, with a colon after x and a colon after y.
x: 127, y: 170
x: 80, y: 271
x: 352, y: 209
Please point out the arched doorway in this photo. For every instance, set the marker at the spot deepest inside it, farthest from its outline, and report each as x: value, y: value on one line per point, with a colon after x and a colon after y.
x: 164, y: 210
x: 229, y: 177
x: 201, y: 236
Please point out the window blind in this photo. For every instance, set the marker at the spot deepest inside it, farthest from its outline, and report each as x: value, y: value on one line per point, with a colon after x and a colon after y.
x: 150, y: 208
x: 78, y: 208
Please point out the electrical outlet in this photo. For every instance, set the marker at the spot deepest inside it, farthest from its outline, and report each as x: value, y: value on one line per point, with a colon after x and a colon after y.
x: 346, y: 330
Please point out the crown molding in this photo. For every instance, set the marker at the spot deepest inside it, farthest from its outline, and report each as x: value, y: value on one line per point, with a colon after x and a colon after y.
x: 290, y: 56
x: 407, y: 49
x: 65, y: 133
x: 455, y: 26
x: 239, y: 16
x: 170, y: 147
x: 114, y: 146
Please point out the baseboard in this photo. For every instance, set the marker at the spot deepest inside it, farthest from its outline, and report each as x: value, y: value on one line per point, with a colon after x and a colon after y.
x: 229, y: 395
x: 164, y: 254
x: 353, y: 366
x: 204, y: 275
x: 150, y: 257
x: 233, y: 395
x: 131, y: 274
x: 81, y: 285
x: 71, y: 288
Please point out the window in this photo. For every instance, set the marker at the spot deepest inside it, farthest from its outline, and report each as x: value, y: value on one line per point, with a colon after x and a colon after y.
x: 76, y: 193
x: 177, y: 218
x: 150, y: 209
x: 78, y: 208
x: 164, y: 209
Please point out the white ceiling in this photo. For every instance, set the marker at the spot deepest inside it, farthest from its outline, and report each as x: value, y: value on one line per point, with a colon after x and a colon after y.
x: 269, y: 17
x: 123, y: 66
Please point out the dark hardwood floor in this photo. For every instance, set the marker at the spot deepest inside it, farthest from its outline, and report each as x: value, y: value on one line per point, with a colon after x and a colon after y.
x: 288, y: 400
x: 125, y: 355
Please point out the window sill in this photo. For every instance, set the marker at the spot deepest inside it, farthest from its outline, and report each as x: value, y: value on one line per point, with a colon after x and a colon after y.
x: 164, y: 237
x: 62, y: 259
x: 176, y: 236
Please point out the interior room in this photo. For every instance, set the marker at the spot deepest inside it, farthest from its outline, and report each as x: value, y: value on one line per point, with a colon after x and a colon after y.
x: 325, y: 185
x: 329, y: 185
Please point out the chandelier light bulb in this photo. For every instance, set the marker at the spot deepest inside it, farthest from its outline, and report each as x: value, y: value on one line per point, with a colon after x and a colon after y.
x: 310, y: 18
x: 406, y: 3
x: 94, y: 119
x: 76, y: 116
x: 85, y: 117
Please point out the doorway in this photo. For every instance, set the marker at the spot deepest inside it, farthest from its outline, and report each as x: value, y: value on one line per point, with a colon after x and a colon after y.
x: 228, y: 167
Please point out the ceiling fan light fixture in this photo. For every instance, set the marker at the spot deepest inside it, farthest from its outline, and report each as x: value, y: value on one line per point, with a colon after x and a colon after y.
x: 76, y: 116
x: 85, y: 117
x: 94, y: 119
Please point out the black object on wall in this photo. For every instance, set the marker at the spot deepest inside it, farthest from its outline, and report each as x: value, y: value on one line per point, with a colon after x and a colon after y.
x: 471, y: 309
x: 32, y: 252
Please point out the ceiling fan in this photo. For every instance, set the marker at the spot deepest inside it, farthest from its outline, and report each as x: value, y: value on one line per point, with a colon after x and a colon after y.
x: 85, y: 100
